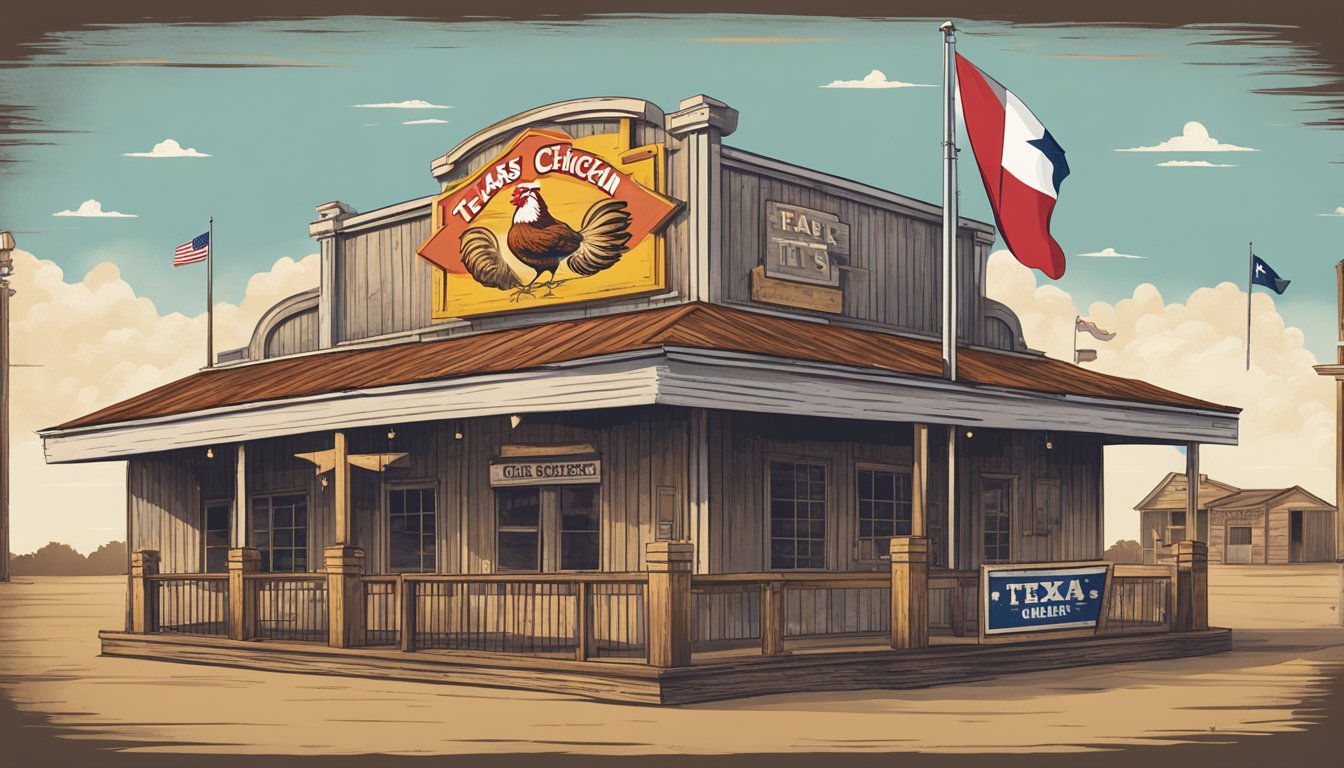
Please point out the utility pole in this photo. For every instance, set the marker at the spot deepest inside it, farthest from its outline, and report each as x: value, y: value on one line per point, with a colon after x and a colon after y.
x: 6, y: 270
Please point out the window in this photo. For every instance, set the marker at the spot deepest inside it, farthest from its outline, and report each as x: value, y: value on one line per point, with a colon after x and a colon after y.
x: 1176, y: 528
x: 548, y: 528
x: 797, y: 515
x: 884, y: 510
x: 518, y: 534
x: 997, y: 501
x: 280, y: 531
x: 218, y: 535
x: 1295, y: 526
x: 411, y: 530
x: 579, y: 527
x: 1239, y: 536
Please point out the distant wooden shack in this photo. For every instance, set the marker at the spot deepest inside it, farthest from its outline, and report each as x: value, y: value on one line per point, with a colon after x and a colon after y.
x: 1273, y: 526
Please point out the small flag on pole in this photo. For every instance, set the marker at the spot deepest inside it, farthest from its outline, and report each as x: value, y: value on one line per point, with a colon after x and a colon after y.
x: 192, y: 251
x: 1087, y: 326
x: 1263, y: 274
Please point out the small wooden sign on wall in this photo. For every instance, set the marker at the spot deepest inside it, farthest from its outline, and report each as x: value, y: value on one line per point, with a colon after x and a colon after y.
x: 800, y: 268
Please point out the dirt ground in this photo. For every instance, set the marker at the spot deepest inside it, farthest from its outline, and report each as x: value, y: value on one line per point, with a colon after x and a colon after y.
x: 1289, y: 650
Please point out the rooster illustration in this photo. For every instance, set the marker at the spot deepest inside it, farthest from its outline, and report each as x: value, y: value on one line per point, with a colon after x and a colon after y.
x: 543, y: 243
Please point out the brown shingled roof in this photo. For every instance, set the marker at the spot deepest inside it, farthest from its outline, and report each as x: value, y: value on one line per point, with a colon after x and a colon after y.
x: 697, y: 325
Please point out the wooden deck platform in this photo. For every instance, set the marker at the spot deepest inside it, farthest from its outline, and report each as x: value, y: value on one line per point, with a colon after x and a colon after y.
x: 712, y: 676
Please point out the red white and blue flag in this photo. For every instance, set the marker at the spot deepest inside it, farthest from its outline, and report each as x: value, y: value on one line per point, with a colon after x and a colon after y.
x: 1021, y: 163
x: 192, y: 251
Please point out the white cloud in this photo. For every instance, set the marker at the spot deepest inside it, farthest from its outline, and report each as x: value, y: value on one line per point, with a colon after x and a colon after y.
x: 430, y: 121
x: 96, y: 342
x: 408, y: 104
x: 92, y: 209
x: 1109, y: 253
x: 1337, y: 212
x: 1196, y: 347
x: 874, y: 79
x: 1194, y: 138
x: 168, y: 148
x: 1193, y: 164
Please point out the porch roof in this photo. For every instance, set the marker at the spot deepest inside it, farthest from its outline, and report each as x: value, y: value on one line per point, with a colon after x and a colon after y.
x: 691, y: 355
x: 693, y: 325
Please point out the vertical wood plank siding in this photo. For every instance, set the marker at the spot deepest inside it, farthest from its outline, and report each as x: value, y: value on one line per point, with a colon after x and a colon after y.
x: 383, y: 286
x: 740, y: 448
x: 165, y: 507
x: 895, y: 261
x: 1075, y: 462
x: 642, y: 449
x: 293, y: 335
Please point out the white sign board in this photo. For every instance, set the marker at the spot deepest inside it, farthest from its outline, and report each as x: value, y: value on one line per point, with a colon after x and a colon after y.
x: 545, y: 472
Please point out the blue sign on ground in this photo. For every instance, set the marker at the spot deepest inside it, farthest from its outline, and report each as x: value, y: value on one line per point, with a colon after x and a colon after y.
x: 1043, y: 599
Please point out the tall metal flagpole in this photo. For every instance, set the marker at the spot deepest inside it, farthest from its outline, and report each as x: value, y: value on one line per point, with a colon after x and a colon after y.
x: 949, y: 31
x: 210, y: 295
x: 1250, y: 281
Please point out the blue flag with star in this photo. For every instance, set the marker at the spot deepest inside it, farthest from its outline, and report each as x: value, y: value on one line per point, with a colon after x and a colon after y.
x: 1263, y: 274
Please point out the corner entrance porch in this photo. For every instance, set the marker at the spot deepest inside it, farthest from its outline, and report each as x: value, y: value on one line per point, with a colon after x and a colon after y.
x: 662, y: 636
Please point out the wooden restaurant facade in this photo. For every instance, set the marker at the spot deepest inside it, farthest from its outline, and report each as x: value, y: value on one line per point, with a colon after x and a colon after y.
x: 692, y: 445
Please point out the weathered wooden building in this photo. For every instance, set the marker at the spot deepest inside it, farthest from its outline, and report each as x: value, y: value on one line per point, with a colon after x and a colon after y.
x: 719, y: 423
x: 1274, y: 526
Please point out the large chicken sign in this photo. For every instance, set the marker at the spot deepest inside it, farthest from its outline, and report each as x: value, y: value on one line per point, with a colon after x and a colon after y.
x: 552, y: 219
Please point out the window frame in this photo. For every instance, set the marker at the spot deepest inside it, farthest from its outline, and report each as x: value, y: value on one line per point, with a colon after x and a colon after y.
x: 556, y: 548
x: 827, y: 516
x: 982, y: 518
x: 206, y: 504
x: 269, y: 549
x: 1170, y: 537
x: 537, y: 529
x: 896, y: 469
x: 394, y: 486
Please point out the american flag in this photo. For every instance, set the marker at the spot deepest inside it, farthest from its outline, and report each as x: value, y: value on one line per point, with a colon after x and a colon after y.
x: 192, y: 251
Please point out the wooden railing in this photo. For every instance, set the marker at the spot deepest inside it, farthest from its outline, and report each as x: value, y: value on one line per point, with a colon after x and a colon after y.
x: 953, y: 602
x: 382, y: 610
x: 289, y: 606
x: 580, y: 615
x: 738, y: 610
x: 1142, y: 599
x: 191, y: 604
x: 657, y: 616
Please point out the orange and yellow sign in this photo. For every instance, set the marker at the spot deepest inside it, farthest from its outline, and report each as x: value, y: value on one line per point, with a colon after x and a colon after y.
x: 552, y: 219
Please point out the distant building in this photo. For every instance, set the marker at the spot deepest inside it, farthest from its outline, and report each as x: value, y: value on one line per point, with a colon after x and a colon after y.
x: 1272, y: 526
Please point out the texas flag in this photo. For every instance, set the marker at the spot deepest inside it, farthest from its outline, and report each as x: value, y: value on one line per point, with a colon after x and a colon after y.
x: 1021, y: 164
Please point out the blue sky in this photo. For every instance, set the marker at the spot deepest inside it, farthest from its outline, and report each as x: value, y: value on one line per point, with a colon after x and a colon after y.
x: 283, y: 134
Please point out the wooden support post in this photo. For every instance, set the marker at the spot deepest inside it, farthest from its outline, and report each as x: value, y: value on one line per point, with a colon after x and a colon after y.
x: 239, y: 527
x: 345, y: 596
x: 242, y: 600
x: 584, y: 622
x: 1192, y: 586
x: 909, y: 592
x: 144, y: 612
x: 341, y: 493
x: 772, y: 618
x: 1192, y: 489
x: 919, y: 491
x: 408, y: 617
x: 669, y: 602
